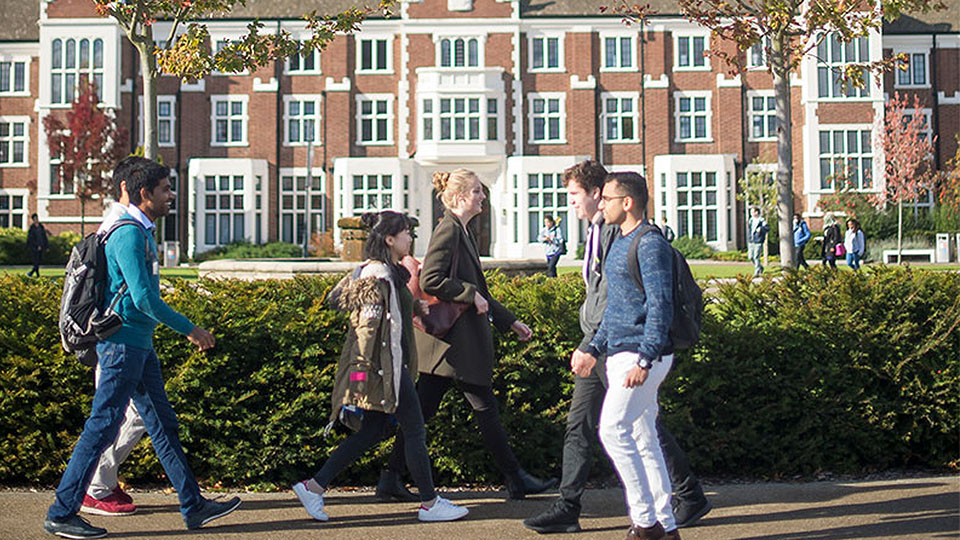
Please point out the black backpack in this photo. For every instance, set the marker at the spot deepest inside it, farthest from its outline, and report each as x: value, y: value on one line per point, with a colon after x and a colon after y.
x: 82, y: 323
x: 687, y: 296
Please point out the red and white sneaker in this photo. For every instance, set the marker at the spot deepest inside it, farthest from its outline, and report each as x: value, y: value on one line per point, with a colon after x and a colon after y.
x: 107, y: 506
x: 122, y: 495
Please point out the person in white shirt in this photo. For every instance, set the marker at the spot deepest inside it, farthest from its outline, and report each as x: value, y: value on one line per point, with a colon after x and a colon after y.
x: 854, y: 243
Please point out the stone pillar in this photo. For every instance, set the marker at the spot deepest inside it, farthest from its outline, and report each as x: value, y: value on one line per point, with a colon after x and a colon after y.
x: 353, y: 235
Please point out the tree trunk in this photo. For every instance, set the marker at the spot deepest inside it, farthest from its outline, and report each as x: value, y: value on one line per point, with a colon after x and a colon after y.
x: 148, y: 73
x: 781, y: 85
x: 899, y: 231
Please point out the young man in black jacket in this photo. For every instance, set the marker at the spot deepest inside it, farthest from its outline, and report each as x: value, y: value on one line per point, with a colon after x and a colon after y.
x: 36, y: 244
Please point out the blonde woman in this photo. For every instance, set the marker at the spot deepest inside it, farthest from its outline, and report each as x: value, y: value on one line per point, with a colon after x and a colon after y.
x: 464, y: 356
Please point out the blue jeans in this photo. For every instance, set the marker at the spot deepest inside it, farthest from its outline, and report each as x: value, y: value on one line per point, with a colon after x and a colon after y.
x: 853, y: 260
x: 126, y: 373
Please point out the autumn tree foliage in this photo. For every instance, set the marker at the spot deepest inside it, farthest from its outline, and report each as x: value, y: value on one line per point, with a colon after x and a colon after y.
x: 187, y: 52
x: 788, y: 31
x: 908, y: 153
x: 89, y: 144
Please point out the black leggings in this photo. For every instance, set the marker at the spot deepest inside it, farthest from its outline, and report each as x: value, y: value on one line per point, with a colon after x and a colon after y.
x: 376, y: 426
x: 432, y: 389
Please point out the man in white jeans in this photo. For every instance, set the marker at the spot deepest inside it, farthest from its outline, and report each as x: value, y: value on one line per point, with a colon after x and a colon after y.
x: 104, y: 496
x: 634, y: 334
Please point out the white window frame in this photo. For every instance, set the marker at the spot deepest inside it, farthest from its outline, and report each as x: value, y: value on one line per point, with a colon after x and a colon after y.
x: 677, y: 97
x: 244, y: 118
x: 24, y: 196
x: 766, y: 113
x: 539, y: 194
x: 698, y: 212
x: 825, y: 63
x: 317, y: 189
x: 544, y: 38
x: 846, y: 155
x: 389, y: 117
x: 373, y: 70
x: 170, y: 100
x: 604, y: 36
x: 216, y: 39
x: 757, y: 55
x: 13, y: 61
x: 927, y: 113
x: 911, y: 54
x: 232, y: 193
x: 379, y: 193
x: 439, y: 39
x: 63, y: 71
x: 561, y: 114
x: 287, y: 118
x: 316, y: 70
x: 690, y: 37
x: 11, y: 139
x: 634, y: 98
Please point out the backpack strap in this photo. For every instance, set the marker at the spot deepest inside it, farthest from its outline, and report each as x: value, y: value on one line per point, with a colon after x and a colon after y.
x: 103, y: 240
x: 632, y: 263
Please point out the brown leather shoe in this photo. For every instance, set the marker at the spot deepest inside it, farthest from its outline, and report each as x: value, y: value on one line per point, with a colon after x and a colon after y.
x: 672, y: 535
x: 655, y: 532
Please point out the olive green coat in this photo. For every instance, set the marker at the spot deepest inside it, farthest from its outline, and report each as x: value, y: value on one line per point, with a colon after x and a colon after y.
x: 466, y: 352
x: 368, y: 373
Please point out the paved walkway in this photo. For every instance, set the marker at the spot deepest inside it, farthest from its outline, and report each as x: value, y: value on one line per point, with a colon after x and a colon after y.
x: 918, y: 508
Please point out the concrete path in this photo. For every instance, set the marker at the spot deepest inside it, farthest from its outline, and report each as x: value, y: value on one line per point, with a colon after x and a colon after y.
x: 918, y: 508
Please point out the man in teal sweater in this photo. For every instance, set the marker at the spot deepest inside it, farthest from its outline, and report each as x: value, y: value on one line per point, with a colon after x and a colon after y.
x: 129, y: 367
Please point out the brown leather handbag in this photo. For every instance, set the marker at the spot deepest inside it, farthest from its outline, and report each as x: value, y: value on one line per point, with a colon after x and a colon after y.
x: 443, y: 314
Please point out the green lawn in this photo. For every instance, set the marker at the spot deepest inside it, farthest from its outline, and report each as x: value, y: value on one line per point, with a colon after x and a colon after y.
x: 177, y: 271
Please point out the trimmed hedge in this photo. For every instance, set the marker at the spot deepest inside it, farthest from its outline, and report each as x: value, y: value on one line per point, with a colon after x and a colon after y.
x: 837, y: 371
x: 13, y: 247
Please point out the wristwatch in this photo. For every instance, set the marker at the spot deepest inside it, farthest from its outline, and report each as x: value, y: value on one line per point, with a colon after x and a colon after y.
x: 644, y: 363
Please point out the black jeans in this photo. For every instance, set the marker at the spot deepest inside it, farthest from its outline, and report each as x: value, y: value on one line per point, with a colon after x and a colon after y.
x: 581, y: 434
x: 376, y: 425
x: 552, y: 265
x: 801, y: 261
x: 35, y: 271
x: 432, y: 389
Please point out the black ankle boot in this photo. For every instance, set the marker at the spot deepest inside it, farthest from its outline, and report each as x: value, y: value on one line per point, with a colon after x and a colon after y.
x: 391, y: 488
x: 522, y: 483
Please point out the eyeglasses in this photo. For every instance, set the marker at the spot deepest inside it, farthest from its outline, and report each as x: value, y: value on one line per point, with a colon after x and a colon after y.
x: 604, y: 198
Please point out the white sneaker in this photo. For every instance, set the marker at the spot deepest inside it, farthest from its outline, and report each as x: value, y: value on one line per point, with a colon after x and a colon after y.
x: 312, y: 502
x: 442, y: 510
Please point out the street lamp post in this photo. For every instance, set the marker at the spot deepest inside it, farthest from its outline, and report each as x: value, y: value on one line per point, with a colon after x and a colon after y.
x: 306, y: 220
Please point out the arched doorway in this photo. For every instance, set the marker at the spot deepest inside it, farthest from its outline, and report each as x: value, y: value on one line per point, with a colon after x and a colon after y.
x: 480, y: 225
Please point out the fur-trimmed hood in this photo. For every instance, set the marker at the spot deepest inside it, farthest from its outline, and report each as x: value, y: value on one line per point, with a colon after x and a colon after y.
x: 360, y: 287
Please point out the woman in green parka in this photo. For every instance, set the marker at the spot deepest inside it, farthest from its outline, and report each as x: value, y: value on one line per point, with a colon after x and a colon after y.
x: 374, y: 380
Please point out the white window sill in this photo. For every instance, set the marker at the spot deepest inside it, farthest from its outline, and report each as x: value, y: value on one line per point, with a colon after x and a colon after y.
x: 688, y: 141
x: 14, y: 94
x: 912, y: 86
x: 384, y: 72
x: 692, y: 68
x: 14, y: 165
x: 758, y: 68
x: 60, y: 197
x: 546, y: 141
x: 229, y: 144
x: 762, y: 139
x: 300, y: 144
x: 631, y: 69
x: 621, y: 141
x: 866, y: 99
x: 560, y: 69
x: 302, y: 73
x: 374, y: 143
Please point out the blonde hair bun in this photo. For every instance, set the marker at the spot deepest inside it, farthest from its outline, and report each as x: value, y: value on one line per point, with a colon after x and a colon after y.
x: 440, y: 181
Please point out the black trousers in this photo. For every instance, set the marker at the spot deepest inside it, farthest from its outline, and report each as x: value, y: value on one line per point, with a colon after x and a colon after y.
x: 552, y: 261
x: 801, y: 261
x: 432, y: 389
x: 35, y: 271
x: 581, y: 434
x: 375, y: 426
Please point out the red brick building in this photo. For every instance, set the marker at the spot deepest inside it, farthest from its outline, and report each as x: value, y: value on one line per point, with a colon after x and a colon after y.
x: 512, y: 89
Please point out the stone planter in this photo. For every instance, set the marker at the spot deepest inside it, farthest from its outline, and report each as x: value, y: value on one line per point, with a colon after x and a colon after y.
x: 353, y: 235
